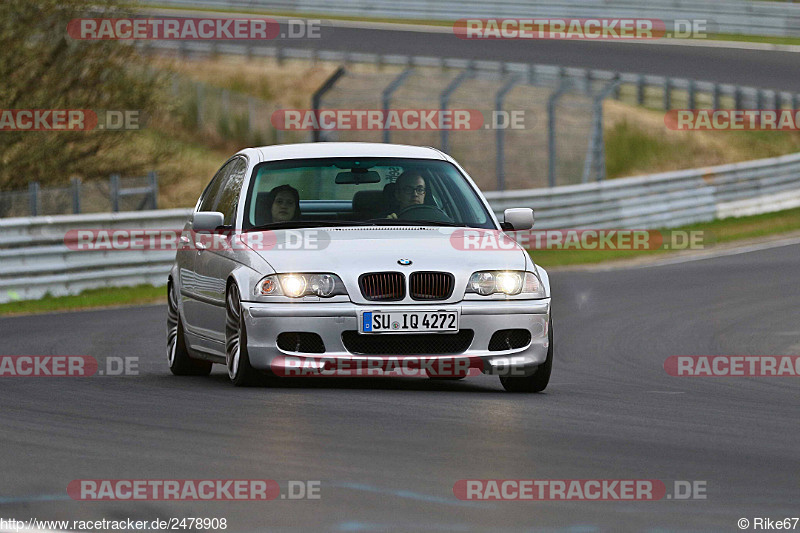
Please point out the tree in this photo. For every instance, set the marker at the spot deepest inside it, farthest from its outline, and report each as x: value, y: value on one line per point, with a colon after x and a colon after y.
x: 42, y: 67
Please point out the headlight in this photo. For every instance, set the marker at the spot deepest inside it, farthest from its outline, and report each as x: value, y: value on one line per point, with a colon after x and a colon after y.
x: 298, y: 285
x: 505, y: 282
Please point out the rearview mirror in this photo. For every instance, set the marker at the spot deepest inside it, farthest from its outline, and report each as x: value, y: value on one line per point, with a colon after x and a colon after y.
x: 207, y: 220
x: 357, y: 177
x: 519, y: 218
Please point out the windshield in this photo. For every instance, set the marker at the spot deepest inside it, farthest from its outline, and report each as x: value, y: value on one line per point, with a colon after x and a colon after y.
x: 354, y: 191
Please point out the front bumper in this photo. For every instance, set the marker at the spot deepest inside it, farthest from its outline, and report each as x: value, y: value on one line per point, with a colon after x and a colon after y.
x: 265, y: 321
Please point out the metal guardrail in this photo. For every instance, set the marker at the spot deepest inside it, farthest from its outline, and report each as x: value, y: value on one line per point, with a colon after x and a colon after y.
x: 34, y: 259
x: 725, y: 16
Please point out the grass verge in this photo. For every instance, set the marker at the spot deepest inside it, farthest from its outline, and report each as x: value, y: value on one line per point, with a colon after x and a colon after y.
x: 106, y: 297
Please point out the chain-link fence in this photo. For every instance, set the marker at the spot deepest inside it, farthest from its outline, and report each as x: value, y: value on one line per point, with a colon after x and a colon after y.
x: 546, y: 144
x: 227, y: 114
x: 134, y: 193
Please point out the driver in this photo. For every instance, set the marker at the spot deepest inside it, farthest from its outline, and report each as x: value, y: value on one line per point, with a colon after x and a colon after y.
x: 409, y: 190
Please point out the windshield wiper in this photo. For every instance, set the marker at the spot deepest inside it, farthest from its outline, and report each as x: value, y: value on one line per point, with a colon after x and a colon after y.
x: 298, y: 224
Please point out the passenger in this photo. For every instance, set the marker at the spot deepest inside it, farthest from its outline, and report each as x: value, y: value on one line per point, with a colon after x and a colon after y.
x: 283, y: 204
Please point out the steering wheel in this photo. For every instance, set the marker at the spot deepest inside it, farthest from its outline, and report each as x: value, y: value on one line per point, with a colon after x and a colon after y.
x: 423, y: 212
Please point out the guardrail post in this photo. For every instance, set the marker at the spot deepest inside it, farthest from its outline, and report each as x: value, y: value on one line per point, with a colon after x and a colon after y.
x: 316, y: 98
x: 113, y: 186
x: 76, y: 195
x: 667, y: 93
x: 499, y: 99
x: 551, y: 131
x: 737, y: 98
x: 35, y: 203
x: 715, y: 97
x: 640, y: 86
x: 759, y: 99
x: 692, y: 94
x: 387, y: 98
x: 531, y: 75
x: 444, y: 101
x: 152, y: 177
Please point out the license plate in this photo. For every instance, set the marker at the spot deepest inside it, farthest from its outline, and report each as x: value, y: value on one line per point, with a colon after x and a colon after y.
x: 408, y: 321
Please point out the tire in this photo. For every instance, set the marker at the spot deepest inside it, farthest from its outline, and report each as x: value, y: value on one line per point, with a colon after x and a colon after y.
x: 537, y: 381
x: 237, y: 360
x: 180, y: 363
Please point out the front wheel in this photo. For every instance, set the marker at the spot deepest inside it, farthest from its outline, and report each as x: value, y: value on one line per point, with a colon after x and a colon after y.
x: 180, y: 363
x: 538, y: 381
x: 236, y: 358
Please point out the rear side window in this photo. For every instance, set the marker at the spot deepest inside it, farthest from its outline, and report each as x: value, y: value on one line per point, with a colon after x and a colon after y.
x: 230, y: 190
x: 209, y: 198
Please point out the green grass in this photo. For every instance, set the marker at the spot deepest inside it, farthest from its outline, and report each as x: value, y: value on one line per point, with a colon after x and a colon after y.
x: 717, y: 232
x: 633, y: 149
x: 139, y: 295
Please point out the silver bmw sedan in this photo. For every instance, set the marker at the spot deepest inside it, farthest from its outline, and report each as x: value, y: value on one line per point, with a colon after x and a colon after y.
x: 355, y: 259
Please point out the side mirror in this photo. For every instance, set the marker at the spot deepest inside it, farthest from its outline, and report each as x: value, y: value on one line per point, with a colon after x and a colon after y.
x: 207, y: 220
x: 519, y: 218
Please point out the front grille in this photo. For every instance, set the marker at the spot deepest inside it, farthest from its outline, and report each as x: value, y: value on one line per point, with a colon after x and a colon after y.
x: 382, y: 286
x: 509, y: 339
x: 302, y: 342
x: 407, y: 343
x: 431, y: 285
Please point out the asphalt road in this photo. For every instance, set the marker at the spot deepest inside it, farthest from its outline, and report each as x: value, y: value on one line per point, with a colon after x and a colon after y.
x: 387, y: 452
x: 768, y: 69
x: 758, y: 68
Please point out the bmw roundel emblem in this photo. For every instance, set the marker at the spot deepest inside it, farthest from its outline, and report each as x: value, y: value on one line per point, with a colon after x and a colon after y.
x: 404, y: 262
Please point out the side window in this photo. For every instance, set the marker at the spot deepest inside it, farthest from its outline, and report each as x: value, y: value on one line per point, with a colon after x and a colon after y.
x: 230, y: 190
x: 209, y: 198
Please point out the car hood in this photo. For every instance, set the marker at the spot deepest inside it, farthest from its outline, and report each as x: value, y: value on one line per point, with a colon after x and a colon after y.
x: 352, y: 251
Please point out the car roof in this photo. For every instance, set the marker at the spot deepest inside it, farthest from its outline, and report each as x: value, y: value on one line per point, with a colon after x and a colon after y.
x: 346, y: 149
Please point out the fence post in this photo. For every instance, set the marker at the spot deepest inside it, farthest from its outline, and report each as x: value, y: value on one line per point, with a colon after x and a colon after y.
x: 692, y: 94
x: 76, y: 195
x: 667, y: 93
x: 715, y: 97
x: 251, y: 110
x: 551, y: 131
x: 316, y: 98
x: 387, y: 98
x: 595, y: 154
x: 113, y: 187
x: 152, y: 177
x: 737, y: 98
x: 444, y: 100
x: 759, y: 99
x: 33, y: 192
x: 199, y: 89
x: 499, y: 98
x: 226, y: 106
